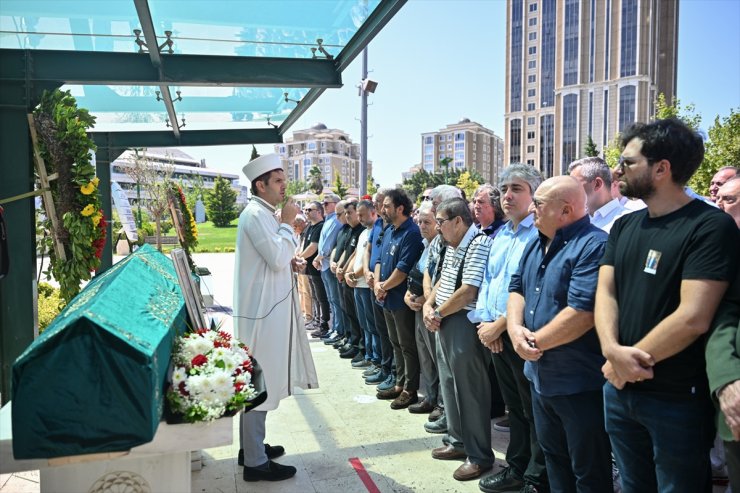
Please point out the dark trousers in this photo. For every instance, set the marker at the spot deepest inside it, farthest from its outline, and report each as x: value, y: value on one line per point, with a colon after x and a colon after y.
x: 426, y: 346
x: 524, y: 454
x: 660, y: 444
x: 732, y: 455
x: 386, y: 348
x: 321, y: 301
x: 572, y: 436
x: 364, y: 304
x: 401, y: 332
x: 350, y: 315
x: 463, y: 380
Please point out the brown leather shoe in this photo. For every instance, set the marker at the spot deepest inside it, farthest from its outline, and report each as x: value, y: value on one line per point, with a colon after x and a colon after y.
x: 469, y: 470
x: 448, y: 452
x: 436, y: 414
x: 389, y: 394
x: 421, y: 408
x: 404, y: 400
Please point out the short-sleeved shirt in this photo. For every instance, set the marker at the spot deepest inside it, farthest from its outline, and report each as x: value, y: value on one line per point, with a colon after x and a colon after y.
x: 474, y: 249
x: 651, y: 256
x: 401, y: 249
x: 351, y: 245
x: 312, y: 235
x: 362, y: 241
x: 342, y: 239
x: 376, y: 241
x: 565, y: 276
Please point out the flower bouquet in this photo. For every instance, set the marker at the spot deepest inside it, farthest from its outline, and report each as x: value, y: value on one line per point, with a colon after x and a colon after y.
x: 212, y: 375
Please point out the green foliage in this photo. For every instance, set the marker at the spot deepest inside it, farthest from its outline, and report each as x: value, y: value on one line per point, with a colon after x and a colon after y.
x: 315, y: 180
x: 371, y: 186
x: 722, y: 149
x: 612, y: 152
x: 423, y: 179
x: 220, y: 203
x: 255, y: 154
x: 686, y: 113
x: 65, y: 146
x: 194, y: 190
x: 590, y: 150
x: 50, y: 303
x: 339, y: 187
x: 295, y: 187
x: 467, y: 184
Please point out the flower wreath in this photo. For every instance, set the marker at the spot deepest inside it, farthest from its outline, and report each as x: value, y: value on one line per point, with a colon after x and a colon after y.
x: 211, y: 376
x: 189, y: 229
x: 66, y: 147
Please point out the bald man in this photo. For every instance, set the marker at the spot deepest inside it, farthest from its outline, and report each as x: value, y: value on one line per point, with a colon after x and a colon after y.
x: 727, y: 199
x: 551, y: 325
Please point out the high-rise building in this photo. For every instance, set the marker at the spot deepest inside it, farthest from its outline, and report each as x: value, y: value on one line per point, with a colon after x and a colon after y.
x: 331, y: 150
x: 576, y: 68
x: 468, y: 145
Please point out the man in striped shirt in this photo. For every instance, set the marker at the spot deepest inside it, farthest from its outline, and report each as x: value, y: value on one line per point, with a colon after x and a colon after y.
x: 463, y: 361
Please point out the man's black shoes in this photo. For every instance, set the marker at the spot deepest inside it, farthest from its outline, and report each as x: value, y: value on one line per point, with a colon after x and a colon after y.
x: 270, y: 451
x: 271, y: 472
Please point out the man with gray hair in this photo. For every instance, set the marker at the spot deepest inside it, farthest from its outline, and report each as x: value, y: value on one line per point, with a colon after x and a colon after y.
x: 463, y: 361
x: 722, y: 176
x: 596, y: 177
x: 487, y: 209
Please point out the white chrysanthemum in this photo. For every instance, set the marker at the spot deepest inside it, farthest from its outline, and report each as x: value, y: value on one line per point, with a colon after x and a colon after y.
x: 179, y: 375
x: 221, y: 380
x: 197, y: 385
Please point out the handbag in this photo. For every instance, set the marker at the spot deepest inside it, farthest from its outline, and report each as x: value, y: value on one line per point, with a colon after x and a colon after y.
x: 415, y: 282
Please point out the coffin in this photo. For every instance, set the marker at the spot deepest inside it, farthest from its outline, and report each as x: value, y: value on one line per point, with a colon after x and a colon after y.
x: 95, y: 380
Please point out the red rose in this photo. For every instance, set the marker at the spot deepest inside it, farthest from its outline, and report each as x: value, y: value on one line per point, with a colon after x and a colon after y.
x: 199, y: 360
x: 238, y: 386
x: 182, y: 389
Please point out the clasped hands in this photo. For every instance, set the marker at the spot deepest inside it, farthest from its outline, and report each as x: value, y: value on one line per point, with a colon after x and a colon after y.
x: 525, y: 343
x: 627, y: 364
x: 431, y: 322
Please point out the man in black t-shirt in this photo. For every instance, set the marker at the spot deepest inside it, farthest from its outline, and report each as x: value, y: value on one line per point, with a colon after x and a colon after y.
x: 661, y: 279
x: 315, y: 214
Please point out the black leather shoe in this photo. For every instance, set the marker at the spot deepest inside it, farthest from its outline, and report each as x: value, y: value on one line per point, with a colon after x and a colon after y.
x: 351, y: 352
x: 270, y: 451
x: 273, y: 472
x: 501, y: 482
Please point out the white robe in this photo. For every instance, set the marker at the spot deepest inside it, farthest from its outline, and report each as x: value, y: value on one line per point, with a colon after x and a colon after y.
x: 265, y: 292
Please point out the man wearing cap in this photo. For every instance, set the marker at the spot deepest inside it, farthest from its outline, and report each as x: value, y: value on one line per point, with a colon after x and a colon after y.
x: 266, y: 314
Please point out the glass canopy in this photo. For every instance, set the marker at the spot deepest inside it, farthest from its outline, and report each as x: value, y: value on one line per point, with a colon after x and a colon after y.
x: 232, y: 64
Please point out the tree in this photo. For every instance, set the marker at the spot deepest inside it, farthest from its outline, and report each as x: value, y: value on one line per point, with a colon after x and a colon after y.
x: 590, y: 149
x: 423, y: 179
x: 295, y: 187
x: 722, y: 149
x: 221, y: 202
x: 255, y: 154
x: 315, y: 180
x: 612, y: 152
x: 445, y: 163
x: 467, y: 184
x: 194, y: 190
x: 339, y: 187
x: 372, y: 187
x: 686, y: 113
x: 154, y: 179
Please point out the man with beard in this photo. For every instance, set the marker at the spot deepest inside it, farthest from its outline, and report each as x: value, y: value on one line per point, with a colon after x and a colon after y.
x: 661, y: 279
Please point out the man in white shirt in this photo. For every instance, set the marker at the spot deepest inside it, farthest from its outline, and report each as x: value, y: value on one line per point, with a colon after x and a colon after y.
x: 596, y: 177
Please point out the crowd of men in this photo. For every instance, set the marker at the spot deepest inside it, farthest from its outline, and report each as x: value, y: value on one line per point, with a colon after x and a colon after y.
x: 584, y: 303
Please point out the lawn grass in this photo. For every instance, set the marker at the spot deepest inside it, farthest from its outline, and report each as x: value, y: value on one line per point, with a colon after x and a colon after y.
x: 213, y: 239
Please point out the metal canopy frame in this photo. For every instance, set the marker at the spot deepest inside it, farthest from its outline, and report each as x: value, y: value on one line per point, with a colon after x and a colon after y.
x: 26, y: 73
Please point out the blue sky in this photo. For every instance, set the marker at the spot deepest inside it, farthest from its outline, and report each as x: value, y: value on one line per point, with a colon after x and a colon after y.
x: 440, y: 60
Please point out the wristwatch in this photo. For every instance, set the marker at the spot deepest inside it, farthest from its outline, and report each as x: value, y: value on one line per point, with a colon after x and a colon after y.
x: 437, y: 314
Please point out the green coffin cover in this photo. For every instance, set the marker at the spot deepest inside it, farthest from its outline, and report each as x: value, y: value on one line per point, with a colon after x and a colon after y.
x: 94, y: 381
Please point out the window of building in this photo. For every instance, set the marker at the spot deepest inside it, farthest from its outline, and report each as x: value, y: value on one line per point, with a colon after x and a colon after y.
x: 531, y: 93
x: 515, y: 140
x: 530, y: 149
x: 530, y: 106
x: 570, y: 45
x: 530, y: 135
x: 460, y: 136
x: 459, y: 146
x: 569, y: 137
x: 312, y: 145
x: 516, y: 57
x: 533, y: 7
x: 592, y: 42
x: 532, y: 36
x: 441, y: 138
x: 590, y: 113
x: 531, y: 79
x: 459, y: 156
x: 628, y: 52
x: 428, y: 140
x: 530, y: 162
x: 327, y: 169
x: 441, y: 147
x: 547, y: 144
x: 626, y: 106
x: 532, y: 64
x: 605, y: 116
x: 475, y: 146
x: 323, y: 145
x: 530, y: 120
x: 533, y: 21
x: 532, y: 50
x: 282, y: 149
x: 547, y: 54
x: 607, y: 29
x: 449, y: 137
x: 449, y: 147
x: 441, y: 156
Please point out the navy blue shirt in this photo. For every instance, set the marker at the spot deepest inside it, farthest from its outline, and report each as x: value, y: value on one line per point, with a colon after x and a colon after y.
x: 400, y: 250
x: 564, y: 276
x: 376, y: 241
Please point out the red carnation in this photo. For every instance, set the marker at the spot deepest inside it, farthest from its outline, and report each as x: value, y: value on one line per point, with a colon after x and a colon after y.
x: 238, y: 386
x: 182, y: 389
x: 247, y: 366
x: 199, y: 360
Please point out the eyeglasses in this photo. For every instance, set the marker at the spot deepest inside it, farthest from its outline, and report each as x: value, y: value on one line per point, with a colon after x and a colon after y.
x: 626, y: 163
x: 440, y: 222
x: 309, y: 210
x: 426, y: 197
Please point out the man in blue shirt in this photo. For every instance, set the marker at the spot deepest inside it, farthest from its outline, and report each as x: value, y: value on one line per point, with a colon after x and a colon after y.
x: 327, y: 242
x: 401, y: 249
x: 550, y: 320
x: 524, y: 458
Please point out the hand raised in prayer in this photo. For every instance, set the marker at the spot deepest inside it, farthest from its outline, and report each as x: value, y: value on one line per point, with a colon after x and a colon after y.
x: 289, y: 212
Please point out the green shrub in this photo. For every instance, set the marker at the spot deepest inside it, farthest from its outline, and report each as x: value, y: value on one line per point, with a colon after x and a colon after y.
x: 50, y: 303
x: 229, y: 249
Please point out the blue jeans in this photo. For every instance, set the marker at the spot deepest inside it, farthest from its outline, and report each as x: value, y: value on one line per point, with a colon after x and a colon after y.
x: 570, y: 429
x: 661, y: 444
x: 364, y: 304
x: 332, y: 292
